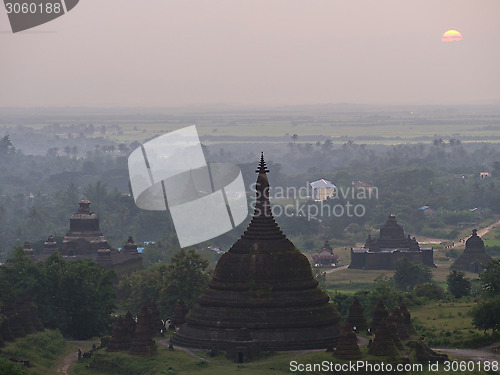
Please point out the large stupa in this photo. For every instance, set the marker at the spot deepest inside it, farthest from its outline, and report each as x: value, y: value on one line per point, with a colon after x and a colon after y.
x: 262, y: 292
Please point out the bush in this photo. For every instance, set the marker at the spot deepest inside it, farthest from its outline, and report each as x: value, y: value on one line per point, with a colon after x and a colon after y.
x: 458, y: 285
x: 429, y: 290
x: 11, y: 368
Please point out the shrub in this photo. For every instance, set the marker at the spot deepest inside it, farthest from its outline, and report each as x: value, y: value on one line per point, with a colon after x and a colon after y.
x: 429, y: 290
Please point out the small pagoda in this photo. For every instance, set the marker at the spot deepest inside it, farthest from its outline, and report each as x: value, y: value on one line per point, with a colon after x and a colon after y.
x: 143, y: 343
x: 325, y: 258
x: 347, y: 346
x: 398, y: 319
x: 407, y: 319
x: 28, y: 250
x: 179, y: 317
x: 120, y: 337
x: 265, y: 285
x: 356, y: 316
x: 383, y: 344
x: 379, y: 314
x: 473, y: 257
x: 393, y: 331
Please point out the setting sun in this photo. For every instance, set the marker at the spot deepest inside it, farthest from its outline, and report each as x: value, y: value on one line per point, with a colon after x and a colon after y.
x: 451, y: 36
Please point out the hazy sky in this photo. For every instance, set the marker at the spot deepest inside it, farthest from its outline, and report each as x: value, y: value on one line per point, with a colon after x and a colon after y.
x: 254, y: 52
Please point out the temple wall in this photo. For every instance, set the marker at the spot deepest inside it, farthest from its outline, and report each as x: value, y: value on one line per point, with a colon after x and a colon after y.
x: 387, y: 260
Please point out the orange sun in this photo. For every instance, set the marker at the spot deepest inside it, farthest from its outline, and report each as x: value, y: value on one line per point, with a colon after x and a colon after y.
x: 451, y: 36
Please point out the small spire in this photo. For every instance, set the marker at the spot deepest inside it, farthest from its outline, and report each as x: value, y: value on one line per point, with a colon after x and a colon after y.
x: 84, y: 207
x: 262, y: 165
x: 474, y: 232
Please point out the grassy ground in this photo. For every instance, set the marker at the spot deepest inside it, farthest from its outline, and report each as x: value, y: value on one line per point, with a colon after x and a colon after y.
x: 178, y: 362
x: 354, y: 279
x: 44, y: 350
x: 449, y: 325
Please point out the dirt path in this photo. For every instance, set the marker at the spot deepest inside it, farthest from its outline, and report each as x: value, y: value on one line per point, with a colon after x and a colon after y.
x: 481, y: 232
x: 67, y: 361
x: 336, y: 269
x: 63, y: 367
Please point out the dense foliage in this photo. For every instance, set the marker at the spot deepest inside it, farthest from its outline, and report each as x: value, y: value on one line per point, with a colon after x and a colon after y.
x: 77, y: 297
x: 185, y: 277
x: 407, y: 274
x: 39, y: 193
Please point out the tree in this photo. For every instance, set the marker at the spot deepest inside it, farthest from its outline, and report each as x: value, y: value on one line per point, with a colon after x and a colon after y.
x: 184, y: 278
x: 408, y: 274
x: 485, y: 314
x: 19, y: 276
x: 294, y: 137
x: 490, y: 278
x: 76, y: 297
x: 458, y: 284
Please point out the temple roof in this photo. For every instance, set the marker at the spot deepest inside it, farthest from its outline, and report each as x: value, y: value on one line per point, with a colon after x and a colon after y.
x: 391, y: 230
x: 326, y: 252
x: 392, y: 236
x: 84, y: 236
x: 322, y: 184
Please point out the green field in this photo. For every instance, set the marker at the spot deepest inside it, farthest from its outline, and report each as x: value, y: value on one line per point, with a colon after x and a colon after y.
x: 449, y: 325
x: 363, y: 124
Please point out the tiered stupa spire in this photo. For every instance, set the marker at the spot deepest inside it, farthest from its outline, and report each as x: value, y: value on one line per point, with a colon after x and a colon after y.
x: 265, y: 285
x: 262, y: 226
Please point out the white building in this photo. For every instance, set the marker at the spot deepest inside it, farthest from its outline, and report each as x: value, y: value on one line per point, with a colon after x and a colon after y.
x: 322, y: 189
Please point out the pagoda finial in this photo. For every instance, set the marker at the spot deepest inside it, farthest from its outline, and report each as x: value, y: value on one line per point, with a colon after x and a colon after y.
x: 84, y: 207
x: 474, y: 232
x: 262, y: 165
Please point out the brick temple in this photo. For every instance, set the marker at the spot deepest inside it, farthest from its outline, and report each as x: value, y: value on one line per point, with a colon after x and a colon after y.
x: 383, y: 253
x: 262, y: 293
x: 86, y: 241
